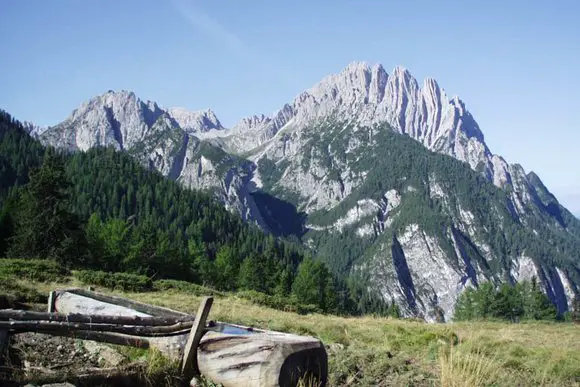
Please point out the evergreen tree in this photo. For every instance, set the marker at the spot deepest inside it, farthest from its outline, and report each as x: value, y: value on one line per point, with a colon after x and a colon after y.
x: 507, y: 303
x: 465, y: 305
x: 251, y: 276
x: 284, y: 286
x: 524, y: 300
x: 6, y: 228
x: 313, y: 285
x: 44, y: 227
x: 226, y: 267
x: 575, y: 313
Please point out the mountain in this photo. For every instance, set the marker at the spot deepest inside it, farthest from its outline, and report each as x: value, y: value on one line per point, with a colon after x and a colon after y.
x: 166, y: 140
x: 386, y: 180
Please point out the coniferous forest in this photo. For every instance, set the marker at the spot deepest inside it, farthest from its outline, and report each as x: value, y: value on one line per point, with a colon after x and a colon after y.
x: 101, y: 210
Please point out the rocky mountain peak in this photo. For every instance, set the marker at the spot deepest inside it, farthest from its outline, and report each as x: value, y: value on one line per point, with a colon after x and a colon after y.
x: 195, y: 121
x: 114, y: 118
x: 33, y: 129
x: 251, y: 123
x: 368, y: 95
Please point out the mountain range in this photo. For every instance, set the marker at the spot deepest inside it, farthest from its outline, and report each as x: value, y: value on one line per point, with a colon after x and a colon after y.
x: 383, y: 178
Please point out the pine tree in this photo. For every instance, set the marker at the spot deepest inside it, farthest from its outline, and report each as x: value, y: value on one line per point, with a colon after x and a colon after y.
x: 465, y: 306
x: 575, y: 313
x: 226, y: 267
x: 6, y: 228
x: 306, y: 284
x: 313, y: 285
x: 44, y: 227
x: 284, y: 285
x: 251, y: 276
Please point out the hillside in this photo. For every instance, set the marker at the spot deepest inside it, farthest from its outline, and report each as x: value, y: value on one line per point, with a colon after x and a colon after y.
x: 417, y: 225
x: 102, y: 210
x: 375, y: 351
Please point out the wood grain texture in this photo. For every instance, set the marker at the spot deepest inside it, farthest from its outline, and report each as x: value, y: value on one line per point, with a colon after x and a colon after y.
x: 26, y: 315
x: 189, y: 366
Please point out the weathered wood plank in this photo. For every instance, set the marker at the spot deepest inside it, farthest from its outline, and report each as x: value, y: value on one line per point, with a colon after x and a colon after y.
x: 25, y: 315
x: 104, y: 337
x: 51, y: 326
x: 137, y: 306
x: 189, y: 367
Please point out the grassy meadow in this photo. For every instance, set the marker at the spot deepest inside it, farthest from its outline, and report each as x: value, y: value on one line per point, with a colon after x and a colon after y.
x: 369, y: 351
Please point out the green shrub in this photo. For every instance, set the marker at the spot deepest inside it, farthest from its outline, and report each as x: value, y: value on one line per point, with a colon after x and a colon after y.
x: 277, y: 302
x: 40, y: 270
x: 120, y: 281
x: 12, y: 293
x: 187, y: 287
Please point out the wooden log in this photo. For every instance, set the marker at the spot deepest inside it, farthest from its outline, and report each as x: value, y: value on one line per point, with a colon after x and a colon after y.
x: 51, y: 326
x: 262, y: 359
x: 110, y: 338
x: 25, y: 315
x: 249, y: 358
x: 189, y: 366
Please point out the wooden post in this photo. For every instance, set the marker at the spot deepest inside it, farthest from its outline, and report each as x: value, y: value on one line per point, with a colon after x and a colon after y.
x: 51, y: 297
x: 189, y: 366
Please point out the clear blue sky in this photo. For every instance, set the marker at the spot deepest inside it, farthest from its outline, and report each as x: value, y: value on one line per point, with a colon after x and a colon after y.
x: 516, y: 64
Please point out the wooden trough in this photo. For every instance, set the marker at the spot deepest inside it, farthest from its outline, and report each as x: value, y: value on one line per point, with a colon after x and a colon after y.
x: 228, y: 354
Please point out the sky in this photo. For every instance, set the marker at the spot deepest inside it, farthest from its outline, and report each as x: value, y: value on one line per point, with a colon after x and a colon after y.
x: 516, y: 64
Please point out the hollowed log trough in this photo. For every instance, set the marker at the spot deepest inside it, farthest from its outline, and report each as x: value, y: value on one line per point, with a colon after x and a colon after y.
x: 228, y: 354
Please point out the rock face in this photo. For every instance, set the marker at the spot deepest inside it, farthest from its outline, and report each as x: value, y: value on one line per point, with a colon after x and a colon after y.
x: 363, y: 156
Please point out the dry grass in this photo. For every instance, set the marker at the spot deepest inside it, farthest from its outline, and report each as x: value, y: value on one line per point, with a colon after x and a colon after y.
x: 370, y: 351
x: 465, y: 369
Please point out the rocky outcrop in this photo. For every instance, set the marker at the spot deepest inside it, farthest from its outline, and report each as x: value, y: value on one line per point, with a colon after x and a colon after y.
x: 201, y: 123
x: 368, y: 95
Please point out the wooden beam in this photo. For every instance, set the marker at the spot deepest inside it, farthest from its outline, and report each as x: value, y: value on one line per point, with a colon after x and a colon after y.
x: 189, y: 366
x: 138, y: 306
x: 25, y: 315
x: 51, y: 326
x: 104, y: 337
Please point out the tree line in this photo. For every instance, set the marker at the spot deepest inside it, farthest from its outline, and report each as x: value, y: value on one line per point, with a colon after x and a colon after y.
x: 522, y: 301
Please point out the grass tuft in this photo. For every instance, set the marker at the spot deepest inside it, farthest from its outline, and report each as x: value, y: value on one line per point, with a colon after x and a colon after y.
x: 460, y: 368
